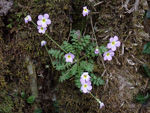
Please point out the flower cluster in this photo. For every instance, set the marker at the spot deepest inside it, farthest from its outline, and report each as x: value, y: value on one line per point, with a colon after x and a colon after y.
x: 69, y: 57
x: 85, y: 11
x: 85, y: 82
x: 43, y: 22
x: 114, y: 43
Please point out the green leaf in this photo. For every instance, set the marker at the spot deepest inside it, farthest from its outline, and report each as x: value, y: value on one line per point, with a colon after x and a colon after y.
x: 9, y: 25
x: 102, y: 49
x: 38, y: 110
x: 146, y: 49
x: 141, y: 98
x: 147, y: 70
x: 23, y: 94
x: 30, y: 99
x: 74, y: 69
x: 148, y: 14
x: 46, y: 66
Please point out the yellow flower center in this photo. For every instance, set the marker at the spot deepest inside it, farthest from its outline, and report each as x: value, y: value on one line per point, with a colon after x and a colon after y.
x: 69, y: 56
x: 42, y: 28
x: 85, y: 10
x: 107, y: 54
x: 85, y: 76
x: 113, y: 43
x: 43, y: 20
x: 85, y: 85
x: 26, y: 17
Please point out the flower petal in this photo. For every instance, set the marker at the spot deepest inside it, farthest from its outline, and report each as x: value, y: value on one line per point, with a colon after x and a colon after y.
x: 115, y: 38
x: 39, y: 22
x: 46, y: 16
x: 118, y: 43
x: 105, y: 58
x: 40, y: 17
x: 109, y: 45
x: 48, y: 21
x: 111, y: 39
x: 89, y: 88
x: 109, y: 58
x: 113, y: 48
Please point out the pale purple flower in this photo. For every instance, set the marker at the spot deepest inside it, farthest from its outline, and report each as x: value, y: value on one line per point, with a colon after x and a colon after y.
x: 85, y: 11
x: 96, y: 51
x: 108, y: 55
x: 69, y: 57
x: 41, y: 29
x: 86, y: 87
x: 43, y: 20
x: 101, y: 104
x: 113, y: 43
x: 85, y: 77
x: 27, y: 18
x: 43, y: 42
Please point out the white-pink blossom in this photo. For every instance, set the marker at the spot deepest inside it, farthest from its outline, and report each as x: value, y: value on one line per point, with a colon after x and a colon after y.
x: 85, y: 11
x: 27, y: 19
x: 41, y: 29
x: 69, y: 57
x: 101, y: 104
x: 108, y: 55
x: 43, y: 42
x: 114, y: 43
x: 43, y: 20
x: 86, y: 87
x: 85, y: 77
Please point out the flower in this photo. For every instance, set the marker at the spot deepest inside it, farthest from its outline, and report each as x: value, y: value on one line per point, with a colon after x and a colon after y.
x: 85, y: 77
x: 43, y: 20
x: 41, y: 29
x: 108, y: 55
x: 69, y: 57
x: 96, y: 50
x: 113, y: 43
x: 43, y: 42
x: 86, y: 87
x: 101, y: 104
x: 27, y: 18
x: 85, y: 11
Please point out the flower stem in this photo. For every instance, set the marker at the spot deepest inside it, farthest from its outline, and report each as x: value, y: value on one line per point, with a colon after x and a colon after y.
x: 34, y: 23
x: 55, y: 43
x: 78, y: 62
x: 49, y: 55
x: 94, y: 97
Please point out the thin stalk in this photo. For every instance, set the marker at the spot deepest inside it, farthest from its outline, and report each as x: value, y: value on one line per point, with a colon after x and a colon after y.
x: 94, y: 97
x: 55, y: 42
x: 34, y: 23
x: 78, y: 63
x: 49, y: 55
x: 83, y: 24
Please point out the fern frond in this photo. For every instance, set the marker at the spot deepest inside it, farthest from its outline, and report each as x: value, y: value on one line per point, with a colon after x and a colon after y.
x: 86, y: 66
x: 97, y: 80
x: 56, y: 53
x: 68, y: 74
x: 68, y: 47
